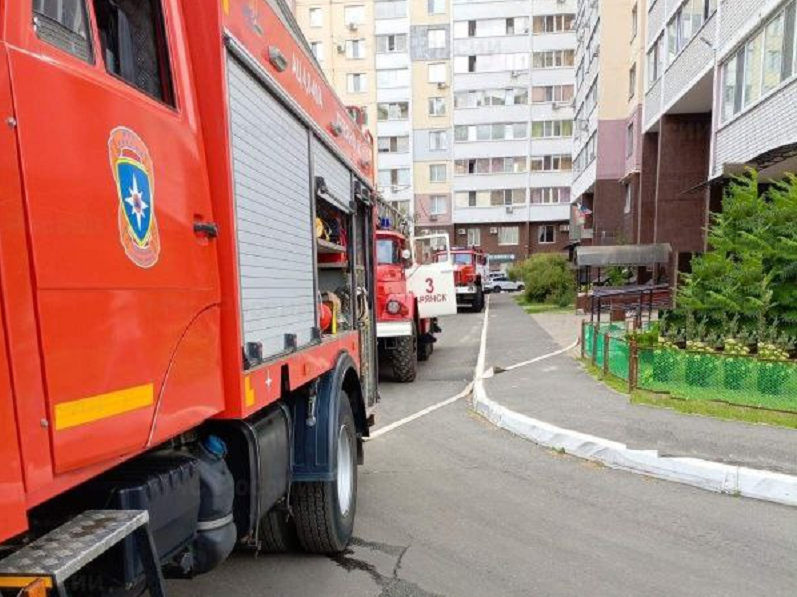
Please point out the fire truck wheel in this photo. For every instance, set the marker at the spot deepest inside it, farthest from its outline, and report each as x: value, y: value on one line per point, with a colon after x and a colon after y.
x: 324, y: 510
x: 478, y: 302
x: 425, y: 350
x: 278, y: 532
x: 405, y: 357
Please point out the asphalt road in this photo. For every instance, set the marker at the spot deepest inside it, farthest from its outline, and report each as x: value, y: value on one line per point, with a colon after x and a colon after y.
x: 449, y: 505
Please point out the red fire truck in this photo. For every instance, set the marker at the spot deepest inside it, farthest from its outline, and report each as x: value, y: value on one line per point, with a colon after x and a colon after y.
x: 407, y: 312
x: 188, y: 333
x: 470, y: 273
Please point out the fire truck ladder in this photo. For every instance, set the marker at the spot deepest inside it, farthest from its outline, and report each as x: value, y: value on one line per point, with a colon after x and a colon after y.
x: 58, y: 555
x: 390, y: 218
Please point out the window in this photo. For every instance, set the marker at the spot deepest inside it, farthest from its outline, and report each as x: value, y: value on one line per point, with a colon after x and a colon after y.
x: 354, y: 15
x: 133, y: 39
x: 436, y: 38
x: 392, y: 78
x: 554, y: 23
x: 632, y: 82
x: 508, y: 235
x: 553, y: 59
x: 438, y: 140
x: 773, y: 53
x: 317, y: 47
x: 437, y: 72
x: 436, y: 7
x: 491, y: 27
x: 474, y: 237
x: 502, y: 197
x: 551, y: 94
x: 629, y: 140
x: 386, y: 44
x: 761, y: 65
x: 316, y: 16
x: 542, y: 129
x: 437, y: 106
x: 550, y: 195
x: 392, y: 111
x: 629, y: 197
x: 486, y: 63
x: 396, y: 178
x: 394, y: 9
x: 546, y: 234
x: 393, y: 144
x: 634, y: 21
x: 686, y: 22
x: 437, y: 205
x: 501, y: 165
x: 437, y: 173
x: 356, y: 83
x: 656, y: 61
x: 552, y: 163
x: 355, y: 48
x: 490, y: 132
x: 495, y: 97
x: 753, y: 64
x: 64, y: 25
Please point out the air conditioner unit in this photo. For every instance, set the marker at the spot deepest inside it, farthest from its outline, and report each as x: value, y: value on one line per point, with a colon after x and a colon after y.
x: 433, y: 218
x: 442, y: 85
x: 556, y: 106
x: 493, y: 230
x: 510, y: 209
x: 341, y: 48
x: 462, y: 232
x: 352, y: 26
x: 564, y: 228
x: 514, y: 74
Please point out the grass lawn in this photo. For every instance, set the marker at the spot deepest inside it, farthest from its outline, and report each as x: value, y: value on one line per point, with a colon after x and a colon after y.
x: 536, y: 308
x: 719, y: 410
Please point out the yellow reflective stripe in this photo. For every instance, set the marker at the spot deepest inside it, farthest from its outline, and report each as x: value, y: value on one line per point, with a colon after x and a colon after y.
x: 20, y: 582
x: 249, y: 392
x: 226, y: 5
x: 94, y: 408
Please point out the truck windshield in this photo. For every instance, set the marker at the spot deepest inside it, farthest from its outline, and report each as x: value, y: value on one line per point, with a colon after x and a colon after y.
x: 462, y: 258
x: 388, y: 252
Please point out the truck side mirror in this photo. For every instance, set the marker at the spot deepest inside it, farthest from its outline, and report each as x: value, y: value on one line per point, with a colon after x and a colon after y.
x: 406, y: 254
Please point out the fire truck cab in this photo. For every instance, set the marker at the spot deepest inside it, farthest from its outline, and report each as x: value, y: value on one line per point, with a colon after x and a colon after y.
x: 187, y: 291
x: 410, y: 296
x: 470, y: 274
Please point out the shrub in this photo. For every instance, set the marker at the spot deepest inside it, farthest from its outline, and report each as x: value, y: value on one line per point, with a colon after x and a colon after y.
x: 548, y: 279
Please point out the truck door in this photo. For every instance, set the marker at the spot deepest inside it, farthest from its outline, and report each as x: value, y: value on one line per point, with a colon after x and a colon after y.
x: 114, y: 182
x: 432, y: 281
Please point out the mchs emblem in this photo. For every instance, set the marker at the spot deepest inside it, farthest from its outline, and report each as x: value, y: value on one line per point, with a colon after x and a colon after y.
x: 135, y: 186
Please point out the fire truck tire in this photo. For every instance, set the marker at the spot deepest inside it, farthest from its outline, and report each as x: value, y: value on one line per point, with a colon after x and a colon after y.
x: 478, y: 302
x: 324, y: 510
x: 278, y: 532
x: 405, y: 358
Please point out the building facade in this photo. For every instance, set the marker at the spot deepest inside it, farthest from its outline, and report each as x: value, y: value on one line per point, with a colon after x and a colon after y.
x: 606, y: 87
x: 470, y: 104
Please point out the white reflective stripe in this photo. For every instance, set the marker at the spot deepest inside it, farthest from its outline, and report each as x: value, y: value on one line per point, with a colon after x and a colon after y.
x: 465, y: 290
x: 393, y: 329
x: 209, y: 525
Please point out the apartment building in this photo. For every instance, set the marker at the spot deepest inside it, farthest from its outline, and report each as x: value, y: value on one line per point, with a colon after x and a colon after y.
x: 470, y: 104
x: 513, y: 87
x: 606, y: 54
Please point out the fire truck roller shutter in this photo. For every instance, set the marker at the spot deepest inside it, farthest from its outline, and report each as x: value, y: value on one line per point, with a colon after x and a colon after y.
x: 335, y: 174
x: 271, y: 170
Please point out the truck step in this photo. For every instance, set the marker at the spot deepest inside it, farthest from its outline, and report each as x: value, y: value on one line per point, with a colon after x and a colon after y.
x: 60, y: 554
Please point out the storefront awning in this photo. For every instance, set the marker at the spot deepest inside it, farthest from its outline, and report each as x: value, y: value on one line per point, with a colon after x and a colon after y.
x: 628, y: 255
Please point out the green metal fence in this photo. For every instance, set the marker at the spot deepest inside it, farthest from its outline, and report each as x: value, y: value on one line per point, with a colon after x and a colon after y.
x: 745, y: 381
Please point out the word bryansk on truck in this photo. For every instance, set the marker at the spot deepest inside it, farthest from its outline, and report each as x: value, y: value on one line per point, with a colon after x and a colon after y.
x: 185, y: 364
x: 470, y: 275
x: 410, y: 295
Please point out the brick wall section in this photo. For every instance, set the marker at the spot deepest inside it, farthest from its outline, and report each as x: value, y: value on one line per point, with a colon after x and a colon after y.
x: 631, y: 219
x: 646, y: 199
x: 735, y: 15
x: 652, y: 104
x: 683, y: 163
x: 608, y: 218
x: 655, y: 20
x: 528, y: 240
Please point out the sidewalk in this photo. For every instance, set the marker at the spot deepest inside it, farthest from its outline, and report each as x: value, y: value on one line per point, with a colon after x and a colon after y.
x: 558, y: 391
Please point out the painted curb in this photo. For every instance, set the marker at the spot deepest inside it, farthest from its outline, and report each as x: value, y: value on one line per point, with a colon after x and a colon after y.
x: 712, y: 476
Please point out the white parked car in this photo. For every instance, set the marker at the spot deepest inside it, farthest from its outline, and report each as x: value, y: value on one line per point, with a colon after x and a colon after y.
x: 502, y: 283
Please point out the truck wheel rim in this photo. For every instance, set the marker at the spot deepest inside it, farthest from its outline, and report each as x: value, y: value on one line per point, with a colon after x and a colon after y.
x: 345, y: 471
